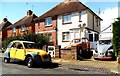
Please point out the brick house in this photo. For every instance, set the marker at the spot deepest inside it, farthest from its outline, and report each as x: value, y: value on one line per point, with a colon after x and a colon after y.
x: 68, y: 20
x: 46, y: 25
x: 24, y: 25
x: 3, y: 30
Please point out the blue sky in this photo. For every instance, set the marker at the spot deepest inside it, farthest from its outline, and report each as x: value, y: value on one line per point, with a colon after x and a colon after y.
x: 17, y: 10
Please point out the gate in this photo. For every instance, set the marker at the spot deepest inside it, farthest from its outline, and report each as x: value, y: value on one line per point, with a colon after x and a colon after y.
x: 51, y: 50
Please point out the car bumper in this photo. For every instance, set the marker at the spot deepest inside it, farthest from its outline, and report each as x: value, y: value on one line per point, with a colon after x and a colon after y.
x: 102, y: 58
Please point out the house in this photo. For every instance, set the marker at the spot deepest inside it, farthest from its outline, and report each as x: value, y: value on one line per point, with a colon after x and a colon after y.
x: 68, y: 20
x: 23, y: 26
x: 3, y: 30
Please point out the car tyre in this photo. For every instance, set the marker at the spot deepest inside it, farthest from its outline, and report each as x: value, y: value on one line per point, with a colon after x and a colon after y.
x: 29, y: 62
x: 6, y: 60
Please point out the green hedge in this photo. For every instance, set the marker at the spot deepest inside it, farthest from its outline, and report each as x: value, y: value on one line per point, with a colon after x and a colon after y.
x: 116, y: 36
x: 39, y: 39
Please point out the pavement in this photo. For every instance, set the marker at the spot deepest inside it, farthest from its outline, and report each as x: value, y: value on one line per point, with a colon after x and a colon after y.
x: 108, y: 67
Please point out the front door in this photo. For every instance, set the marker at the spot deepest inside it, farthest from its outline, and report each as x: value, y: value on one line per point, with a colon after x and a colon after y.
x: 20, y: 53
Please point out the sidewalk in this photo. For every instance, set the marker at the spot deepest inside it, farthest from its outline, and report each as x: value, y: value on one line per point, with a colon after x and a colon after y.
x: 90, y: 65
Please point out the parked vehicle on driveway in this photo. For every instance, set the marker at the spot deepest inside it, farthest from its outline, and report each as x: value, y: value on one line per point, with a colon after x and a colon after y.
x: 83, y: 48
x: 104, y: 50
x: 25, y: 51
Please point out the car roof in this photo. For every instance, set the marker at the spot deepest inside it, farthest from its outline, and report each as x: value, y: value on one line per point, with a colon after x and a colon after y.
x: 23, y: 41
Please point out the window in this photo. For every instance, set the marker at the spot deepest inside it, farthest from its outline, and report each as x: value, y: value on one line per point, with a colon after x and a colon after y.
x: 14, y: 30
x: 65, y: 36
x: 22, y: 28
x: 38, y: 24
x: 48, y: 21
x: 50, y: 37
x: 97, y: 22
x: 90, y: 37
x: 96, y: 37
x: 19, y: 46
x: 66, y: 18
x: 80, y: 16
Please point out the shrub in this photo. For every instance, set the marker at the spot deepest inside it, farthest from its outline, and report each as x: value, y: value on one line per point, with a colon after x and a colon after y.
x: 39, y: 39
x: 116, y: 36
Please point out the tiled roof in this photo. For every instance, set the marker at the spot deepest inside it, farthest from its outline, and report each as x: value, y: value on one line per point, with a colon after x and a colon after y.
x: 64, y: 8
x: 5, y: 25
x: 24, y: 21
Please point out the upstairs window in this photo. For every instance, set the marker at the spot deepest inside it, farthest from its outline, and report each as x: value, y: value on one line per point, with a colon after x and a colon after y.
x: 14, y: 29
x: 22, y: 28
x: 48, y: 21
x: 80, y: 16
x: 67, y: 18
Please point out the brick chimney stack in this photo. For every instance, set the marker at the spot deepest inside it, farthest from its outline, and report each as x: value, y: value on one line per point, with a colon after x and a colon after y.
x: 5, y: 20
x: 29, y: 12
x: 70, y: 1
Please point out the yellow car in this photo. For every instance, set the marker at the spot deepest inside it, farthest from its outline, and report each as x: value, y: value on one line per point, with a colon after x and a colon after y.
x: 26, y: 51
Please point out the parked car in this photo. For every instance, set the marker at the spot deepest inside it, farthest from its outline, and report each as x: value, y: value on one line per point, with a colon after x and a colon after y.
x: 83, y: 47
x: 104, y: 50
x: 26, y: 51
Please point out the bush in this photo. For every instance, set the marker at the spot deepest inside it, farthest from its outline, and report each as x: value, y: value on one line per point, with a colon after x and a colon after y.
x: 39, y: 39
x: 116, y: 36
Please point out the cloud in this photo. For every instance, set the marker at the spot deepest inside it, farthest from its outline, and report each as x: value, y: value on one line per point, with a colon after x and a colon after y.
x: 108, y: 17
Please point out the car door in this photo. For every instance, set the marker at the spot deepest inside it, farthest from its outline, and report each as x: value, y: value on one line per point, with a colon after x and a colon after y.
x: 13, y: 50
x: 20, y: 53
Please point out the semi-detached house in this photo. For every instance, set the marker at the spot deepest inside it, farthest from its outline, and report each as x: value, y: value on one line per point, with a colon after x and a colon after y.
x: 25, y: 25
x: 68, y: 20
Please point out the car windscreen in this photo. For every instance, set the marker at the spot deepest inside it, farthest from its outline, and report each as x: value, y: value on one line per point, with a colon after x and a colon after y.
x: 30, y: 45
x: 103, y: 42
x: 76, y: 41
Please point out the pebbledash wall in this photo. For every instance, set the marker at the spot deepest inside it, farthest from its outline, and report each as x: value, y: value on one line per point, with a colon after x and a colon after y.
x: 73, y: 28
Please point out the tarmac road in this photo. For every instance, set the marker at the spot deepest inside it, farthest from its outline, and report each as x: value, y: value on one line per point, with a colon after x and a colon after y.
x: 18, y: 67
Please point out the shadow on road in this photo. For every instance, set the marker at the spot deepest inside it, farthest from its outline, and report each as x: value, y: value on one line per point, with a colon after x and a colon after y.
x: 42, y: 65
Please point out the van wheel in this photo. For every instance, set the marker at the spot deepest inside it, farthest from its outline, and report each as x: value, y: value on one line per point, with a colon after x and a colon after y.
x: 6, y: 60
x: 29, y: 62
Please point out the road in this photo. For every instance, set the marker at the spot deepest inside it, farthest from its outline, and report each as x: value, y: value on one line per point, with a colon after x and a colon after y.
x: 18, y: 67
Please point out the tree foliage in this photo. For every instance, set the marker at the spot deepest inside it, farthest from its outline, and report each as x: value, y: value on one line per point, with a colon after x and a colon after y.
x: 39, y: 39
x: 116, y: 36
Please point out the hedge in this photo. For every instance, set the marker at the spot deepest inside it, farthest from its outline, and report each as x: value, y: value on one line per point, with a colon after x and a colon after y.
x: 39, y: 39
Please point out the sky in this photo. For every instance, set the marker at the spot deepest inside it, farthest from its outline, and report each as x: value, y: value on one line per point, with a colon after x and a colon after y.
x: 15, y: 10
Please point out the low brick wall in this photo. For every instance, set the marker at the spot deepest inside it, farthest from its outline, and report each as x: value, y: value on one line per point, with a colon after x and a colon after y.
x: 67, y: 54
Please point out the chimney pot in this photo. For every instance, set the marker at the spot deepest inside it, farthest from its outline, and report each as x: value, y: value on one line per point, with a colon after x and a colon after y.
x: 5, y: 20
x: 29, y: 12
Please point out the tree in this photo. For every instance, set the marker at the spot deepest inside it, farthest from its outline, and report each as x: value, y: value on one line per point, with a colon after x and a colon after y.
x: 39, y: 39
x: 116, y: 36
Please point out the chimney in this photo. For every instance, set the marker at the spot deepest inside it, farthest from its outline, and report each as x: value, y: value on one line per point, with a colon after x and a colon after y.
x: 5, y: 20
x: 29, y: 12
x: 70, y: 1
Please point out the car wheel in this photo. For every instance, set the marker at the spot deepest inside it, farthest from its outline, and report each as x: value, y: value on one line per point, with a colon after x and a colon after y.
x: 6, y: 60
x: 29, y: 62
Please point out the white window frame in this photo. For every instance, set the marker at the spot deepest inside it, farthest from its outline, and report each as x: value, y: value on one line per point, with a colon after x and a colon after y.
x: 67, y: 18
x: 80, y: 16
x: 47, y: 23
x: 67, y: 34
x: 22, y: 28
x: 14, y: 29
